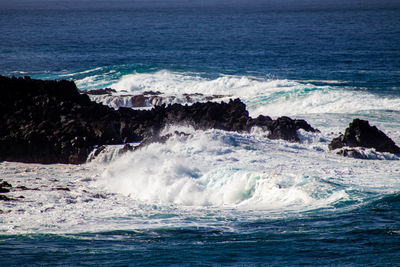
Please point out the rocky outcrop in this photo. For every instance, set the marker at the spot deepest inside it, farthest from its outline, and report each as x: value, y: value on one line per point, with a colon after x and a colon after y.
x: 147, y: 99
x: 52, y: 122
x: 5, y: 187
x: 105, y: 91
x: 361, y: 134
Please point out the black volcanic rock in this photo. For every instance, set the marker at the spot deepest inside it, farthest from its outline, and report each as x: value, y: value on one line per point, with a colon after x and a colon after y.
x: 51, y: 122
x: 282, y: 128
x: 105, y: 91
x: 5, y: 187
x: 6, y: 198
x: 361, y: 134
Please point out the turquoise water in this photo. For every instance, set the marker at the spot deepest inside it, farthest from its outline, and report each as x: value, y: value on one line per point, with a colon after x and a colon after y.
x: 217, y: 198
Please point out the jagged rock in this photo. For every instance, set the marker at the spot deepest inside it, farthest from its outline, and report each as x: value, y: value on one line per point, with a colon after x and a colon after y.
x: 24, y: 188
x: 352, y: 153
x: 152, y: 93
x: 105, y: 91
x: 51, y: 122
x: 361, y: 134
x: 4, y: 184
x: 152, y: 139
x: 126, y: 148
x: 212, y: 97
x: 138, y: 101
x: 5, y: 187
x: 98, y: 150
x: 4, y: 190
x: 365, y: 153
x: 62, y: 189
x: 6, y: 198
x: 282, y: 128
x: 145, y: 99
x: 159, y: 139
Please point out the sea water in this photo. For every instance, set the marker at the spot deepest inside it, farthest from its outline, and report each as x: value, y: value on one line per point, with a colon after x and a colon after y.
x: 212, y: 197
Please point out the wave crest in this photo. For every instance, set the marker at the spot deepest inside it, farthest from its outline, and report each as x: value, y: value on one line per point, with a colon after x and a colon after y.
x: 216, y: 168
x: 274, y: 97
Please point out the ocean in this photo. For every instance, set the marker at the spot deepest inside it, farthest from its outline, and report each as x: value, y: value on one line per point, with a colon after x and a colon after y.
x: 212, y: 197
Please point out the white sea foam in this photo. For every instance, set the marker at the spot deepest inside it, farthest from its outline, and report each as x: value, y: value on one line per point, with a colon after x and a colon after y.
x: 106, y: 154
x: 81, y: 72
x: 196, y: 180
x: 274, y: 97
x: 113, y: 101
x: 128, y: 100
x: 174, y: 83
x: 96, y: 80
x: 327, y: 100
x: 216, y: 168
x: 329, y: 108
x: 191, y: 181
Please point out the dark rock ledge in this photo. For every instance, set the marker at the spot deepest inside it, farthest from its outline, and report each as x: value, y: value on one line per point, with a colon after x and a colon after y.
x: 360, y: 134
x: 51, y: 122
x: 145, y: 99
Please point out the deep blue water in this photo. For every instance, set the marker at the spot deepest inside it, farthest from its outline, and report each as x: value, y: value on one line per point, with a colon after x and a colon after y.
x: 364, y: 236
x: 357, y: 48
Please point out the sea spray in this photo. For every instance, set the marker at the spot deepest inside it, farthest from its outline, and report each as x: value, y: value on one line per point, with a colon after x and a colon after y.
x: 216, y: 168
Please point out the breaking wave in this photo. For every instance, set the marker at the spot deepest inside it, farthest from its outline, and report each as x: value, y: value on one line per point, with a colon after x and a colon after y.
x: 227, y: 170
x: 275, y: 97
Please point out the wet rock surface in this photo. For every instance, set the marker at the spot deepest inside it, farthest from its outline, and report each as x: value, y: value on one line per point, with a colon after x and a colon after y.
x: 352, y: 153
x: 6, y: 198
x: 5, y: 187
x: 105, y: 91
x: 361, y: 134
x: 147, y: 99
x: 52, y: 122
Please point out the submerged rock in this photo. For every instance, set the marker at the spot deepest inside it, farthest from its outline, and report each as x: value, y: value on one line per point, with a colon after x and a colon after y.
x: 51, y: 122
x: 361, y: 134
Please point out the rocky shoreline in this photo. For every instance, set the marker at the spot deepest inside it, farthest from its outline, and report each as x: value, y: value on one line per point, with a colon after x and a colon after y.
x: 147, y: 99
x: 53, y: 122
